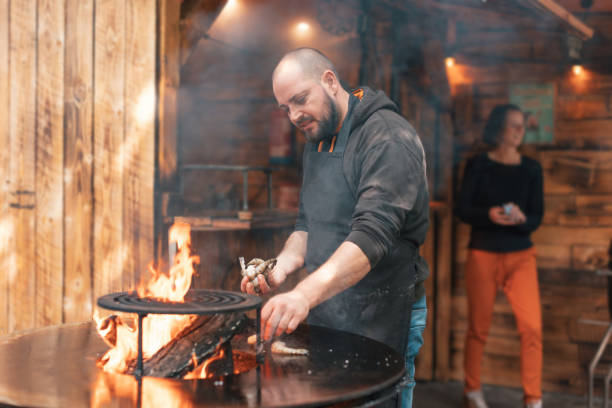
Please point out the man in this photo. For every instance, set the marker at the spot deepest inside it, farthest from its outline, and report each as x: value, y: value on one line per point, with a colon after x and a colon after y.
x: 363, y: 209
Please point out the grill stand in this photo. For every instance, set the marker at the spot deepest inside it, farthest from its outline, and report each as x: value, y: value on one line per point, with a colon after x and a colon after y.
x: 117, y: 301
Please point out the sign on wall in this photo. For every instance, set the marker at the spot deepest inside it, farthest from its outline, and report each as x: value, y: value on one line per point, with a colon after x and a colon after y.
x: 537, y: 100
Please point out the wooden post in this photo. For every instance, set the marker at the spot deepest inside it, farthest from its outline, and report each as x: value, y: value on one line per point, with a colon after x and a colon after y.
x: 139, y: 139
x: 169, y: 43
x: 109, y: 117
x: 22, y: 119
x: 49, y: 163
x: 78, y: 221
x: 6, y: 220
x: 169, y: 79
x: 424, y: 364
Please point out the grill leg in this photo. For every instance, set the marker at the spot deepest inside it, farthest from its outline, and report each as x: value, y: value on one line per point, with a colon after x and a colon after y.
x: 600, y: 350
x: 139, y: 368
x: 259, y: 342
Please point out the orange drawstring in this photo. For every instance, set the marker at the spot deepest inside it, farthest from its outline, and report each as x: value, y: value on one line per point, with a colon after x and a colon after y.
x: 331, y: 149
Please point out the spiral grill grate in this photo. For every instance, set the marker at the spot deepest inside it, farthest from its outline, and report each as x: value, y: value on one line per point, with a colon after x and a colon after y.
x: 197, y: 301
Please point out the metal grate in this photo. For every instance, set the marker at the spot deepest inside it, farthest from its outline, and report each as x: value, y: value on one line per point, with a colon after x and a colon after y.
x: 197, y: 301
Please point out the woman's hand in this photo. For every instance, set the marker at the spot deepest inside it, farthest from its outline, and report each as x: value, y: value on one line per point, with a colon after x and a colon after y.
x: 512, y: 216
x: 516, y: 214
x: 498, y: 216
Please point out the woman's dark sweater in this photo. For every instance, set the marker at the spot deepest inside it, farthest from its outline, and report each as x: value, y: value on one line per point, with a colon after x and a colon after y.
x: 487, y: 183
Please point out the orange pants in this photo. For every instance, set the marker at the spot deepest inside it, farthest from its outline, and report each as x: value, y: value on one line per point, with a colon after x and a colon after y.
x: 515, y: 273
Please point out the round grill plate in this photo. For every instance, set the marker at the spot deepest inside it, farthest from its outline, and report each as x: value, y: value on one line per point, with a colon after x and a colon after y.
x: 197, y: 301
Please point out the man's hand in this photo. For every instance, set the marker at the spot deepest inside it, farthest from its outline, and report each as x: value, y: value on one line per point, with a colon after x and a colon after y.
x: 282, y: 313
x: 275, y: 278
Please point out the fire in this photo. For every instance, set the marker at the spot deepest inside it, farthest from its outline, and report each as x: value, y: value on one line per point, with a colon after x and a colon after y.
x: 202, y: 370
x: 158, y: 330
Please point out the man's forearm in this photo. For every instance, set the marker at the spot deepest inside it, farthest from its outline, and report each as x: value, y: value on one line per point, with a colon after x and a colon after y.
x: 294, y: 251
x: 347, y: 266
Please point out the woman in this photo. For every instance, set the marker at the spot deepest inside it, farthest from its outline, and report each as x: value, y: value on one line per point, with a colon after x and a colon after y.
x: 501, y: 198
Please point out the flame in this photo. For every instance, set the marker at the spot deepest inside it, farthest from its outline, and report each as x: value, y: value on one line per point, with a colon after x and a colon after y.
x: 124, y: 390
x: 202, y: 370
x: 158, y: 330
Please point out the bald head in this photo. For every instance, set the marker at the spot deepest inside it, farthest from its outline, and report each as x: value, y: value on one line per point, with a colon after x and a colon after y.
x: 306, y: 86
x: 312, y: 63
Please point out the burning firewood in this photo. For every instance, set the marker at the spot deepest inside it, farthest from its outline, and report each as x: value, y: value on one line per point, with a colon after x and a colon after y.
x: 194, y: 344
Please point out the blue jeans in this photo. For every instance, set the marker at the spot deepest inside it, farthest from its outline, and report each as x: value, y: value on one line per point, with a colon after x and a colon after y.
x: 415, y: 341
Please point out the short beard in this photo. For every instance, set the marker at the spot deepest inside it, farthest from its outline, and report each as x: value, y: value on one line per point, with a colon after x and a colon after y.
x: 327, y: 125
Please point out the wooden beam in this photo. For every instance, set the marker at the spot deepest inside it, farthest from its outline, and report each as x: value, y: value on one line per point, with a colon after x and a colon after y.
x: 552, y: 7
x: 6, y: 220
x: 109, y: 117
x: 574, y: 6
x: 196, y: 18
x: 49, y: 238
x: 22, y: 128
x: 169, y: 80
x: 139, y: 139
x: 78, y: 221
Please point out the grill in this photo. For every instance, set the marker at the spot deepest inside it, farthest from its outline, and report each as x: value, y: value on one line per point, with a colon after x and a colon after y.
x: 56, y: 366
x: 197, y: 302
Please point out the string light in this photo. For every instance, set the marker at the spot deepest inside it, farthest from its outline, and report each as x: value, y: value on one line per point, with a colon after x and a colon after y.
x: 577, y: 69
x: 450, y: 62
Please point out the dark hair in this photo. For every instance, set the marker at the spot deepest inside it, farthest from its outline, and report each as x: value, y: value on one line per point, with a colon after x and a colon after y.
x: 496, y: 123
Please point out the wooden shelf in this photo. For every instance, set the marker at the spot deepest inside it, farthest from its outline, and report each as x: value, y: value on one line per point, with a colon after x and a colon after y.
x: 238, y: 220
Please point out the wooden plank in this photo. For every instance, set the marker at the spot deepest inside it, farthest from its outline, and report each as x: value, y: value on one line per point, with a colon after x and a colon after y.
x: 590, y: 257
x: 588, y: 133
x: 581, y: 29
x: 553, y: 256
x: 482, y: 72
x: 557, y: 204
x: 577, y: 107
x: 139, y: 139
x: 6, y: 219
x: 78, y: 221
x: 22, y: 125
x: 443, y: 292
x: 109, y: 88
x: 424, y: 363
x: 568, y: 180
x: 600, y: 204
x: 548, y: 158
x: 49, y: 237
x: 577, y: 220
x: 575, y: 6
x: 569, y: 276
x: 589, y: 84
x: 169, y: 80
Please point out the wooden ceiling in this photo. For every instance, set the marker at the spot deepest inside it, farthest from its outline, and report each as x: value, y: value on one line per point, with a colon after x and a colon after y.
x: 598, y: 6
x: 490, y: 31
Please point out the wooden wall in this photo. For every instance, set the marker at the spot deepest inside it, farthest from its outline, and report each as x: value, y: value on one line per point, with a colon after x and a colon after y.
x: 577, y: 227
x: 77, y: 87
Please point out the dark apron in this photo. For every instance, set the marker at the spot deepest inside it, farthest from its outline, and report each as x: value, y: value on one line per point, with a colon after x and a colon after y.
x: 379, y: 305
